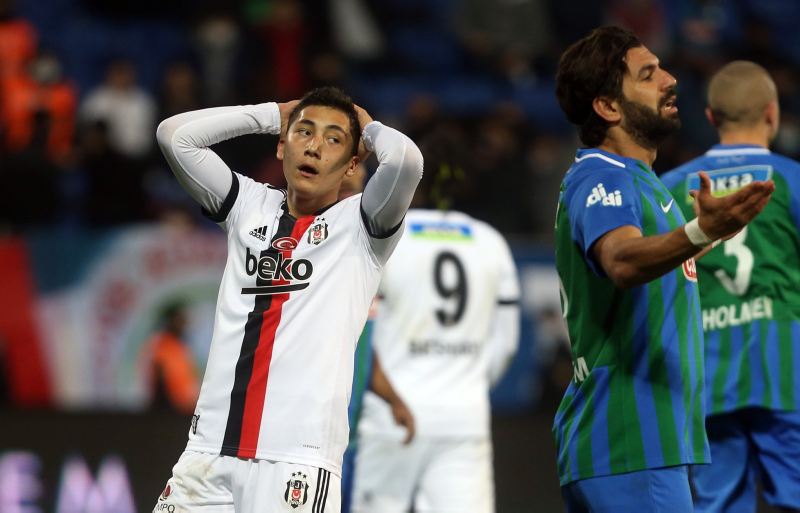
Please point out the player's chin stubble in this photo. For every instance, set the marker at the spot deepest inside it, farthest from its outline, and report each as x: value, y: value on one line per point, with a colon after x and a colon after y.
x: 646, y: 125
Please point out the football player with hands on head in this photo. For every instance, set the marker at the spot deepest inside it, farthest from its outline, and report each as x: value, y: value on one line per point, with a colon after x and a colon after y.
x: 270, y: 426
x: 632, y: 420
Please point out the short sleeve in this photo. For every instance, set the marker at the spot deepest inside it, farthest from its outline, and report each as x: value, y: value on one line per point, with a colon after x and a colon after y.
x: 508, y: 291
x: 243, y: 191
x: 606, y: 199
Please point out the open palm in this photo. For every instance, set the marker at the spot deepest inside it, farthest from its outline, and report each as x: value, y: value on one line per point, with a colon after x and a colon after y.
x: 720, y: 217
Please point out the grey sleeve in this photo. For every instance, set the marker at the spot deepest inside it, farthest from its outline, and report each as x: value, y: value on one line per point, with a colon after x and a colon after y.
x: 185, y: 139
x: 388, y: 194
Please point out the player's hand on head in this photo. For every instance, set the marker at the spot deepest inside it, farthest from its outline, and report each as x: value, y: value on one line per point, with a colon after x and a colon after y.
x: 721, y: 217
x: 363, y: 119
x: 403, y: 417
x: 286, y: 109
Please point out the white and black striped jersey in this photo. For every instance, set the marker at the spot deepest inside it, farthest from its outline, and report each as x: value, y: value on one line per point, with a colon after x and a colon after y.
x: 446, y: 327
x: 294, y: 297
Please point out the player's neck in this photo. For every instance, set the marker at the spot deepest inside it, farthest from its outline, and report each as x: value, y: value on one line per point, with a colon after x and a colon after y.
x: 756, y: 136
x: 620, y: 143
x: 301, y: 206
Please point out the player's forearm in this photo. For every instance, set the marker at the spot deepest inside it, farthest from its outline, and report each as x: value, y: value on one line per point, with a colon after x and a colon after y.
x: 388, y: 194
x: 380, y: 383
x: 503, y: 341
x: 185, y: 139
x: 634, y: 261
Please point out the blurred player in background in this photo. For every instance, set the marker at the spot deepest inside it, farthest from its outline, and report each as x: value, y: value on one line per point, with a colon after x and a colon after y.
x: 446, y: 328
x: 367, y: 373
x: 750, y: 297
x: 631, y: 420
x: 270, y: 427
x: 169, y: 364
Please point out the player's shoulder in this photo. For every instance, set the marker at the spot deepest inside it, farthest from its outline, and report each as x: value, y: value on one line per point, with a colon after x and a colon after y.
x: 677, y: 175
x: 246, y: 183
x: 596, y: 170
x: 785, y: 165
x: 593, y: 163
x: 452, y: 223
x: 436, y: 216
x: 349, y: 203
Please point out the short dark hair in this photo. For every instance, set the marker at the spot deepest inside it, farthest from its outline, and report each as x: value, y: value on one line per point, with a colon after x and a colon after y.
x: 334, y: 98
x: 592, y: 67
x: 445, y: 162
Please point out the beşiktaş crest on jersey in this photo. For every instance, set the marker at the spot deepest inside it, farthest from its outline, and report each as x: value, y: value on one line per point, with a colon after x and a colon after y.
x: 318, y: 231
x: 296, y: 490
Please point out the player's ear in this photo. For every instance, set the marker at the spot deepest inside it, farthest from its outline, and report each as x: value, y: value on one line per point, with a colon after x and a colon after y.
x: 351, y: 168
x: 279, y: 154
x: 772, y: 116
x: 711, y: 118
x: 607, y: 109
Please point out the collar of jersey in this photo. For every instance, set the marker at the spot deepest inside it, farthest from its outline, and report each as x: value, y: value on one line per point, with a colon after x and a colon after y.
x: 611, y: 158
x: 722, y: 150
x: 285, y: 207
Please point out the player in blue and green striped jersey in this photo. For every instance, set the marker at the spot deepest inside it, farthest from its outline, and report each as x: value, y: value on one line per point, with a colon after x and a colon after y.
x: 750, y: 298
x: 631, y: 420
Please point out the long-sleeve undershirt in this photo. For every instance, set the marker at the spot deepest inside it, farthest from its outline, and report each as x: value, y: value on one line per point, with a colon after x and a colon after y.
x: 185, y: 139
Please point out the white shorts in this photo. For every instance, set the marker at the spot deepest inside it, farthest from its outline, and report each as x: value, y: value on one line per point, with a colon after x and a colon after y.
x: 210, y: 483
x: 435, y: 475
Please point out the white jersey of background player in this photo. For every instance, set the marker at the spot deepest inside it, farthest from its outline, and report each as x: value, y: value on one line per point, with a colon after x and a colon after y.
x: 271, y: 424
x: 446, y: 327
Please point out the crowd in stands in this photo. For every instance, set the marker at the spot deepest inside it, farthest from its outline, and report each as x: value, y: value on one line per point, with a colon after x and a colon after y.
x: 84, y: 84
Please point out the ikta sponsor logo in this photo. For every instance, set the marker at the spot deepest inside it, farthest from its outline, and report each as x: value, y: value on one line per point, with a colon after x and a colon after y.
x: 288, y: 270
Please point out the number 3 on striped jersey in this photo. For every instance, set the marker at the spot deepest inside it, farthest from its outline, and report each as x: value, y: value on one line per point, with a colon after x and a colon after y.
x: 744, y: 265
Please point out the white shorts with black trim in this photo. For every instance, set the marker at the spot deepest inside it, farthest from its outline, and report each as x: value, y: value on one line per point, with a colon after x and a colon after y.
x: 210, y: 483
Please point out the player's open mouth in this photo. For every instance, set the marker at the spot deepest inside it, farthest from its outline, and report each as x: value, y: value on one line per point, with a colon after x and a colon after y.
x: 307, y: 170
x: 669, y: 106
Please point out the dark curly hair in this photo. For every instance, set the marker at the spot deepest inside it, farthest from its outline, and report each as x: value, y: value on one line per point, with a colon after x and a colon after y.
x: 334, y: 98
x: 592, y: 67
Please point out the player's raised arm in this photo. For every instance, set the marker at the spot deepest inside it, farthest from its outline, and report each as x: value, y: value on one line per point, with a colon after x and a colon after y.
x: 632, y: 260
x: 185, y: 139
x: 388, y: 194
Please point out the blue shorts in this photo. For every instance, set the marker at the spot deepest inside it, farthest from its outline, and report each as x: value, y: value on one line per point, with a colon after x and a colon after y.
x: 749, y: 445
x: 348, y: 473
x: 644, y: 491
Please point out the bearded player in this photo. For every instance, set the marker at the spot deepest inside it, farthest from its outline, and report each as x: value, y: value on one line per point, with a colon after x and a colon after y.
x: 270, y: 426
x: 631, y: 421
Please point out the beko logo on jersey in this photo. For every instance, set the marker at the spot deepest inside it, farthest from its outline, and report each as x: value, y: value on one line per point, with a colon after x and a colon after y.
x: 268, y: 268
x: 599, y: 194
